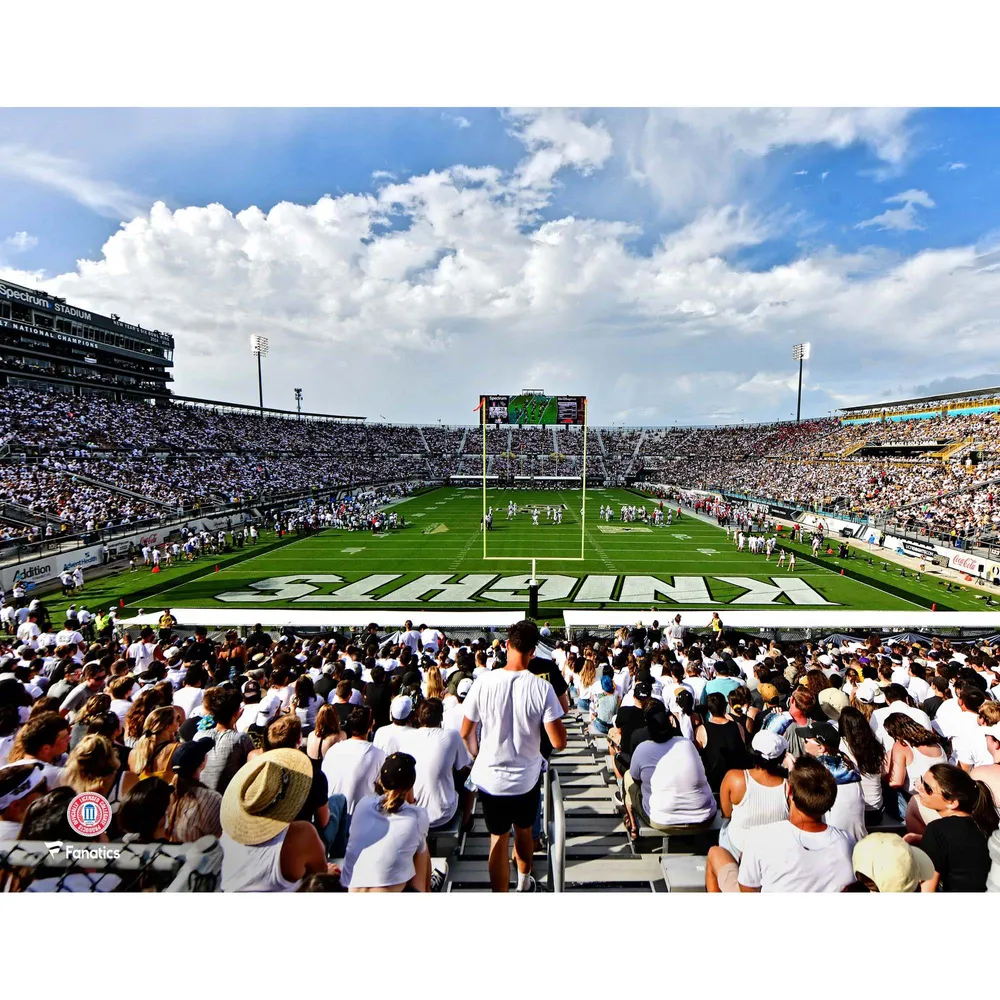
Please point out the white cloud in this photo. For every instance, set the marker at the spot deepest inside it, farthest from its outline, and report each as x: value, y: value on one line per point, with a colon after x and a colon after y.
x: 954, y: 166
x: 911, y: 197
x: 69, y: 178
x: 900, y: 219
x: 446, y: 284
x: 459, y: 121
x: 20, y: 242
x: 380, y: 175
x: 701, y: 156
x: 801, y: 173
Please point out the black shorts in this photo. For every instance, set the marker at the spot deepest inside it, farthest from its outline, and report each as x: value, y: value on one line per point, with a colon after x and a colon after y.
x: 501, y: 812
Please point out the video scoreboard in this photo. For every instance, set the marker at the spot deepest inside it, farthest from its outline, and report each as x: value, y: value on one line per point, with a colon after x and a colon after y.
x: 532, y: 408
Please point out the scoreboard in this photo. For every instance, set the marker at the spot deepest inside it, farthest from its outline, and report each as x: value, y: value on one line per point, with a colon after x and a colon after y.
x: 533, y: 408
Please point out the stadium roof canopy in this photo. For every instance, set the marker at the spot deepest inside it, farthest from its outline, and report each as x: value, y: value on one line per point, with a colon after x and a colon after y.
x: 937, y: 397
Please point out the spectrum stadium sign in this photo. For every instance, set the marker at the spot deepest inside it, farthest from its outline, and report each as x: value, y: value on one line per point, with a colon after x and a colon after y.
x: 444, y: 588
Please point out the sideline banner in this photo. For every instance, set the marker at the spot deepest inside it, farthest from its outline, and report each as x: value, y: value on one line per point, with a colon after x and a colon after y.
x: 35, y: 572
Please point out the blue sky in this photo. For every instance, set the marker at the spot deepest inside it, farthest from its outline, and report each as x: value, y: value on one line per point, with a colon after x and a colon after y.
x: 857, y: 230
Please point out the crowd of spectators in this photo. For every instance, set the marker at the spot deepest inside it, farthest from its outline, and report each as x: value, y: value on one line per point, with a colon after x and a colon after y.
x: 325, y: 763
x: 804, y: 747
x: 144, y: 460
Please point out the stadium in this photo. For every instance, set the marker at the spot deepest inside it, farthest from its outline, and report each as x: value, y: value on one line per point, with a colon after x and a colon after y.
x: 144, y: 518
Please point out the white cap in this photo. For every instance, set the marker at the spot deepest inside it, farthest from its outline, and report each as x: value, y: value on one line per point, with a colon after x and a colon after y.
x: 769, y: 745
x: 464, y: 687
x: 400, y: 707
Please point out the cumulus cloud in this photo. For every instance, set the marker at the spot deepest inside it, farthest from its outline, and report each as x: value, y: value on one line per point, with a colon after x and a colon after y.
x: 954, y: 166
x: 413, y: 299
x: 20, y: 242
x: 459, y: 121
x: 70, y: 179
x: 700, y: 156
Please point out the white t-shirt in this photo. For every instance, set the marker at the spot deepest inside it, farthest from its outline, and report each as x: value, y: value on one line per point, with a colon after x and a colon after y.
x: 410, y: 639
x: 390, y: 738
x: 439, y: 753
x: 381, y: 846
x: 969, y: 741
x: 141, y: 654
x: 28, y: 633
x: 779, y: 857
x: 431, y: 638
x: 190, y: 699
x: 675, y: 790
x: 946, y: 718
x: 513, y: 706
x: 351, y: 768
x: 70, y: 637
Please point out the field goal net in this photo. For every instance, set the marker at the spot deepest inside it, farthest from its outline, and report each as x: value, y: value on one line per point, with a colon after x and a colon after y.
x: 533, y: 408
x: 122, y: 866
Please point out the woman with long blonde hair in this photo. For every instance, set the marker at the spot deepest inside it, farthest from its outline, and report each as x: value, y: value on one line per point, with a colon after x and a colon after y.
x: 92, y: 766
x: 588, y: 675
x: 151, y: 754
x: 435, y: 686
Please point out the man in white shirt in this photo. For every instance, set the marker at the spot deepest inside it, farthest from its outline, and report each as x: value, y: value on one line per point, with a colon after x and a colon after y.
x: 352, y: 766
x: 141, y: 654
x: 29, y: 632
x: 432, y: 639
x: 895, y: 696
x: 968, y: 737
x: 800, y: 854
x: 69, y: 636
x: 513, y: 706
x: 441, y: 757
x: 389, y: 739
x: 410, y: 637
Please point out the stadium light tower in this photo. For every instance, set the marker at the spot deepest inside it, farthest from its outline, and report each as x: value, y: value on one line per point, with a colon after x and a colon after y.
x: 258, y: 345
x: 298, y: 402
x: 800, y: 353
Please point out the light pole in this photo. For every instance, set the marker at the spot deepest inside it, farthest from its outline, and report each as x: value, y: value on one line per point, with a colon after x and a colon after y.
x: 258, y: 345
x: 800, y: 353
x: 298, y: 402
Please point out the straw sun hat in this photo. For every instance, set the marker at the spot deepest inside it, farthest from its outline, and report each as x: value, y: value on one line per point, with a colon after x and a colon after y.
x: 265, y: 795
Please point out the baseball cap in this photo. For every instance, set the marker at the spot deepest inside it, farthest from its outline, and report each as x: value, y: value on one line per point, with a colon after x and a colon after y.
x: 891, y: 863
x: 400, y: 707
x: 833, y: 701
x: 464, y: 687
x: 187, y: 758
x: 643, y: 689
x: 823, y: 732
x: 993, y: 731
x: 399, y: 771
x: 768, y: 692
x: 769, y: 745
x: 868, y: 692
x: 250, y: 689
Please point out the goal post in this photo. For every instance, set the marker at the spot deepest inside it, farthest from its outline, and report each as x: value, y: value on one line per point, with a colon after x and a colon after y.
x: 532, y: 408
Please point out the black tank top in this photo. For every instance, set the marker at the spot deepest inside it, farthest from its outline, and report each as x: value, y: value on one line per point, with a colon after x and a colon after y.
x: 723, y: 751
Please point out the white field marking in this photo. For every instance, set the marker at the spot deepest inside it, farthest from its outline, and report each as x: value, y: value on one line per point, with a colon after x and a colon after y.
x: 351, y: 552
x: 680, y: 537
x: 709, y: 552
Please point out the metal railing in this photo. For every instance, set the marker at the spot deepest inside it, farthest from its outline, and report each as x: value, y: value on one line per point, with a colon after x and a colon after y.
x: 554, y: 822
x: 193, y: 867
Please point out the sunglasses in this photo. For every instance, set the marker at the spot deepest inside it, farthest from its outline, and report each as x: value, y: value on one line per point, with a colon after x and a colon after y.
x: 927, y: 788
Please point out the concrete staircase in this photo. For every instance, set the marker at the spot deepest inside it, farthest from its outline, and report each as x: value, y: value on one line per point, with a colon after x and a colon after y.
x: 599, y: 856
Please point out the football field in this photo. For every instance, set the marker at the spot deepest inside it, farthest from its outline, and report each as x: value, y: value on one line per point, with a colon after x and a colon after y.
x: 437, y: 562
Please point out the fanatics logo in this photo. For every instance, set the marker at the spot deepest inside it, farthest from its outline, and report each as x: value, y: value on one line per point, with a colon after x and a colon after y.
x: 89, y: 814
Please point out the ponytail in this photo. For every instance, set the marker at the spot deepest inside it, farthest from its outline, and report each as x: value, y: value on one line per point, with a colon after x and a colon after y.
x: 393, y: 800
x: 984, y: 812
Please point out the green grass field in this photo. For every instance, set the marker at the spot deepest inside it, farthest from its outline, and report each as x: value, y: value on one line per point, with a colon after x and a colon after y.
x: 437, y: 561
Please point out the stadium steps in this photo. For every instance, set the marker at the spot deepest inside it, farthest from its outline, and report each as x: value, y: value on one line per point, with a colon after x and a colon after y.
x: 599, y: 855
x: 122, y: 491
x: 420, y: 431
x: 14, y: 513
